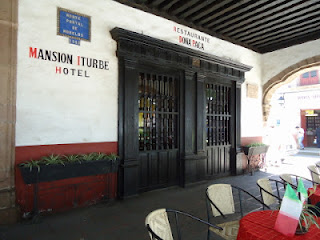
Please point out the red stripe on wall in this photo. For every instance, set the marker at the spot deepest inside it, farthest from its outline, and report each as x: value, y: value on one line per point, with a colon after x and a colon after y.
x: 65, y: 194
x: 24, y: 153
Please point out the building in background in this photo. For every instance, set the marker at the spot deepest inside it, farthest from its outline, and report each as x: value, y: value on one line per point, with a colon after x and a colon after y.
x: 298, y: 104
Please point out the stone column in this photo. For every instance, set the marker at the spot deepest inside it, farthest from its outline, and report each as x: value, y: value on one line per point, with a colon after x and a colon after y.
x: 8, y: 68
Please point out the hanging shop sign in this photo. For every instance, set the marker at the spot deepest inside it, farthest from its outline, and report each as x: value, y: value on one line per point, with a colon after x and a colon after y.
x: 308, y: 96
x: 310, y: 113
x: 190, y: 38
x: 74, y: 25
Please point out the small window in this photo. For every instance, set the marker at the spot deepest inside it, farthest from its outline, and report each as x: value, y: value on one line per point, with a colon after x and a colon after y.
x: 305, y: 75
x: 313, y: 73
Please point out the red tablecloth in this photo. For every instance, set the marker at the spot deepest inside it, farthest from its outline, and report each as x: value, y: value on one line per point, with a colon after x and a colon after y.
x: 314, y: 197
x: 259, y: 225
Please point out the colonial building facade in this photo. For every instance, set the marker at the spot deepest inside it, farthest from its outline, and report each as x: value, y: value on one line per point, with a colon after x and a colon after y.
x: 174, y: 103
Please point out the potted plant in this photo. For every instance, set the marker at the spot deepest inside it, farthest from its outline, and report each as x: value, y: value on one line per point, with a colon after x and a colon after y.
x: 259, y: 148
x: 308, y: 217
x: 56, y: 167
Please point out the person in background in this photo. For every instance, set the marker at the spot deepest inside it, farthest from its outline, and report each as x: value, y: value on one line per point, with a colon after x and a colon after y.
x: 300, y: 137
x: 318, y: 136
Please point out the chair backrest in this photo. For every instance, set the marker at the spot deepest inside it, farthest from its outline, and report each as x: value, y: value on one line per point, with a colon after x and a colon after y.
x: 159, y: 224
x: 286, y: 178
x: 258, y: 150
x: 265, y: 184
x: 315, y: 176
x: 221, y: 196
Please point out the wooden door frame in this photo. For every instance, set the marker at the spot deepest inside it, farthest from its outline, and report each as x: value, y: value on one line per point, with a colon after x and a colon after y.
x: 134, y: 50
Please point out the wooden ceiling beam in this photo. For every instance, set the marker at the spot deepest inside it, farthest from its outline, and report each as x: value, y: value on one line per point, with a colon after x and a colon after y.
x: 183, y: 6
x: 156, y: 3
x: 292, y: 33
x: 196, y: 8
x: 272, y: 33
x: 210, y: 9
x: 283, y: 22
x: 277, y: 28
x: 169, y: 5
x: 265, y: 16
x: 225, y: 10
x: 289, y: 36
x: 244, y: 13
x: 290, y: 42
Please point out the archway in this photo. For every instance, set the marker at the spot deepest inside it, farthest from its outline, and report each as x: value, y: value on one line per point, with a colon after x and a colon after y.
x: 286, y: 76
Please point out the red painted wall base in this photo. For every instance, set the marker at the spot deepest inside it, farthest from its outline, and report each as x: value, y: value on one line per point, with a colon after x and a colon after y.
x: 64, y: 194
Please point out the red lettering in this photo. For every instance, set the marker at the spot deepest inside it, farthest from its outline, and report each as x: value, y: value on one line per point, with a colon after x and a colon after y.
x: 32, y: 52
x: 58, y: 70
x: 174, y: 29
x: 180, y: 39
x: 78, y: 60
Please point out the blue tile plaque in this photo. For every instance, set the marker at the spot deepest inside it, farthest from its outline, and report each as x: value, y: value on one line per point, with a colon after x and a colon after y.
x: 74, y: 25
x: 74, y: 41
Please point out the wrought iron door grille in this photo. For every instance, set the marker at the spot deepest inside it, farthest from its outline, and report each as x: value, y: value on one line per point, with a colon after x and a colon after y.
x: 218, y: 114
x: 158, y: 112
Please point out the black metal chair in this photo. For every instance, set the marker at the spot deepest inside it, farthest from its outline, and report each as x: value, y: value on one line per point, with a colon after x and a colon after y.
x: 220, y: 202
x: 159, y: 227
x: 293, y: 180
x: 268, y: 196
x: 315, y: 175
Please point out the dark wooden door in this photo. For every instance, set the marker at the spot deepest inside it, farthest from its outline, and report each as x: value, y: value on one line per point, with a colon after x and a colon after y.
x: 312, y: 123
x: 218, y: 128
x: 158, y: 130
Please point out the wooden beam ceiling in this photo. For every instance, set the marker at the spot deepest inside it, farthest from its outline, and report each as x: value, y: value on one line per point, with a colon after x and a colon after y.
x: 260, y: 25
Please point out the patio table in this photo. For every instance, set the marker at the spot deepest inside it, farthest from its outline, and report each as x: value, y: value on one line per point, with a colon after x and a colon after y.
x: 315, y: 196
x: 260, y: 225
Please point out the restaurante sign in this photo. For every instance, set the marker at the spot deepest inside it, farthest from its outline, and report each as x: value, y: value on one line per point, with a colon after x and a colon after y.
x: 190, y: 38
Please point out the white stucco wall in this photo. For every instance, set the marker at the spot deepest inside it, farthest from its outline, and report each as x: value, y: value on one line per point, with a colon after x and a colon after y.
x: 56, y: 108
x: 275, y: 62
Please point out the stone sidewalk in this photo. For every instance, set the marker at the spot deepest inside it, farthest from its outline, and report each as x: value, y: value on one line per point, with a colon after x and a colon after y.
x: 124, y: 219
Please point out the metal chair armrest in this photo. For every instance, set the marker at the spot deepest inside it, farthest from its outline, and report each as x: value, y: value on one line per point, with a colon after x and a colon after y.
x: 254, y: 197
x: 194, y: 217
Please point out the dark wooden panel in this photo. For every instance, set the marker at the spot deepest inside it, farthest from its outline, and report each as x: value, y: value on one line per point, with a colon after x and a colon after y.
x: 218, y: 161
x: 158, y: 169
x: 143, y: 168
x: 173, y: 157
x: 190, y: 113
x: 163, y: 168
